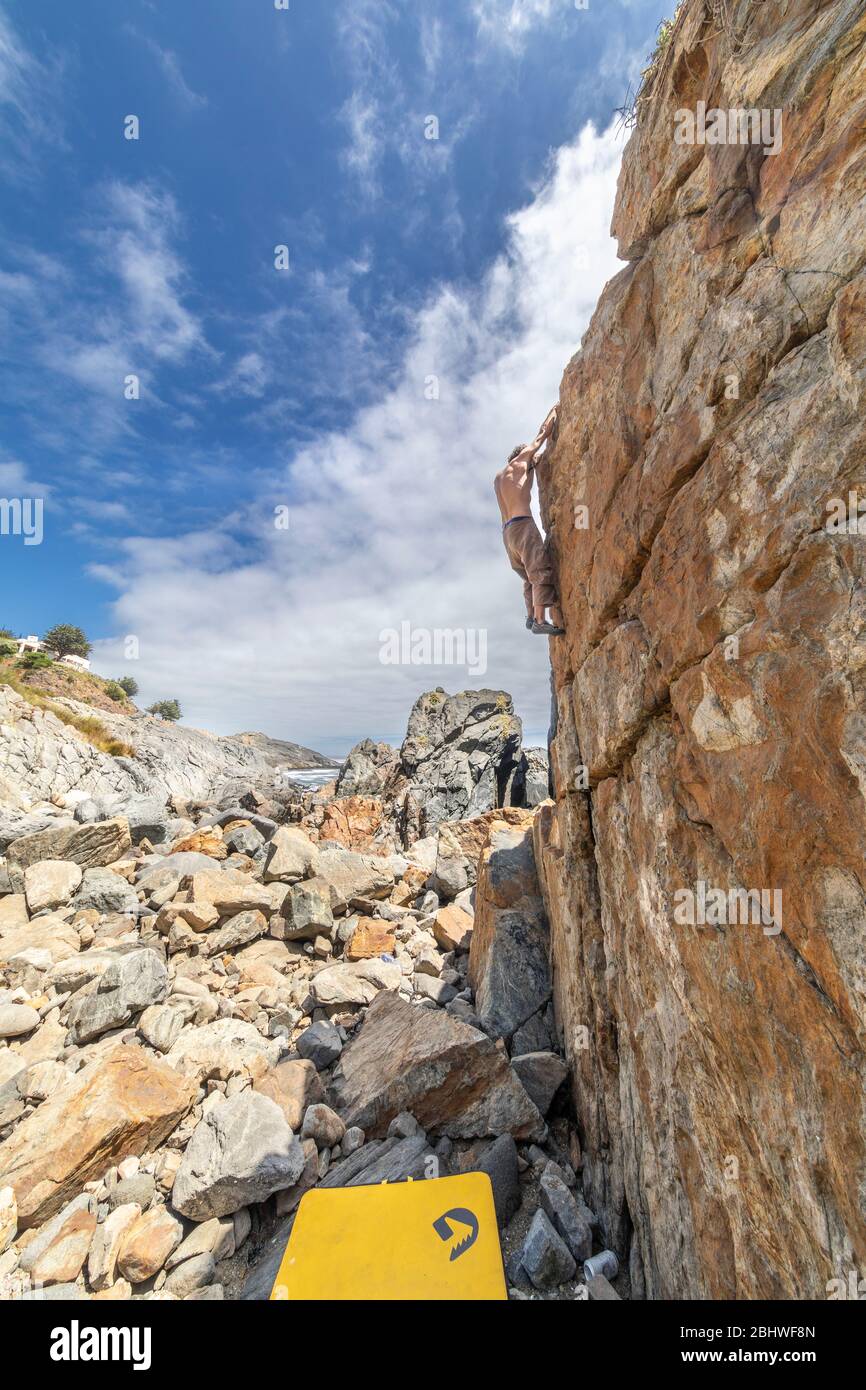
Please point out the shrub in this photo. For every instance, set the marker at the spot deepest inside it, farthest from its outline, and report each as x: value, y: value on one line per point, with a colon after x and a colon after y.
x: 166, y: 709
x: 35, y: 661
x: 114, y: 690
x: 129, y: 685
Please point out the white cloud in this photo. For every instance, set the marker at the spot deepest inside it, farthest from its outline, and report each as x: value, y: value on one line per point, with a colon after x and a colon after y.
x: 363, y: 153
x: 507, y: 22
x: 393, y: 519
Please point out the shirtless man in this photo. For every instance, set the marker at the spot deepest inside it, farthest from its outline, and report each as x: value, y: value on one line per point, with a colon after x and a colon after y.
x: 523, y: 543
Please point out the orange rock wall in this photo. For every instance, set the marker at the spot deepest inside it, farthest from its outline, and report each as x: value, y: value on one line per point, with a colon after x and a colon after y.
x: 712, y: 684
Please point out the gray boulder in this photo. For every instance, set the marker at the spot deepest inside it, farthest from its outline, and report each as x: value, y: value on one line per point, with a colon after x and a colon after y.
x: 241, y: 1152
x: 545, y: 1257
x: 128, y: 986
x: 541, y: 1075
x: 320, y: 1044
x: 565, y: 1215
x: 499, y: 1162
x: 459, y: 752
x: 105, y: 891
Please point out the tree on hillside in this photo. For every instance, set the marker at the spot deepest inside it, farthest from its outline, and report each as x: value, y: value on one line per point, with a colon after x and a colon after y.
x: 66, y: 640
x: 129, y: 684
x: 6, y: 634
x: 166, y: 709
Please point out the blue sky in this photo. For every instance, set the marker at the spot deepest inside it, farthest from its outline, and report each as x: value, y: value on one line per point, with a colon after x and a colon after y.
x: 474, y: 258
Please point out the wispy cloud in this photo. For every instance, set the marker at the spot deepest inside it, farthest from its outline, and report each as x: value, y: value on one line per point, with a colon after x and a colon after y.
x: 508, y: 22
x: 169, y: 64
x: 392, y: 519
x: 30, y: 112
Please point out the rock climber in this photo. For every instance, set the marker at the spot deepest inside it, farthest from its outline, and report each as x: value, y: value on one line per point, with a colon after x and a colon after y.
x: 523, y: 542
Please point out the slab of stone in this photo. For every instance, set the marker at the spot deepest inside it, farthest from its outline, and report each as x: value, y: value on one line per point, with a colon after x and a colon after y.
x: 452, y: 1078
x: 545, y: 1257
x: 224, y: 1048
x: 541, y: 1075
x: 89, y: 846
x: 565, y: 1215
x: 509, y: 967
x: 50, y: 883
x: 123, y: 1103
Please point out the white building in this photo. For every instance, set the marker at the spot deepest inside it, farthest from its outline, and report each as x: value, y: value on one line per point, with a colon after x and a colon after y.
x: 33, y: 644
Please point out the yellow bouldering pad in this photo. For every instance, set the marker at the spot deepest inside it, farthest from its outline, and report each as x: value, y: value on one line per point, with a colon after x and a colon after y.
x: 431, y: 1239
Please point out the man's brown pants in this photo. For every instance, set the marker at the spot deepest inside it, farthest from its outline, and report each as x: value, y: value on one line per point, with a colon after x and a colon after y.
x: 530, y: 559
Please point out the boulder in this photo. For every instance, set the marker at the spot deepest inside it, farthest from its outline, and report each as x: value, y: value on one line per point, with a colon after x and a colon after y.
x: 104, y: 891
x: 224, y: 1048
x: 356, y: 982
x: 499, y: 1162
x: 161, y: 1026
x: 371, y: 938
x: 294, y: 1086
x: 147, y: 1243
x: 368, y: 770
x: 241, y: 1152
x: 238, y: 931
x: 452, y: 928
x: 541, y: 1075
x: 17, y: 1019
x: 292, y: 856
x: 353, y: 876
x: 13, y: 912
x: 458, y: 753
x: 50, y: 883
x: 307, y: 911
x: 52, y: 934
x: 105, y: 1245
x: 62, y: 1260
x: 123, y: 1103
x: 508, y: 956
x: 323, y: 1126
x: 229, y: 892
x: 545, y: 1257
x: 565, y: 1215
x: 353, y: 821
x: 8, y: 1217
x: 321, y: 1044
x: 130, y: 983
x: 89, y: 846
x: 451, y: 1077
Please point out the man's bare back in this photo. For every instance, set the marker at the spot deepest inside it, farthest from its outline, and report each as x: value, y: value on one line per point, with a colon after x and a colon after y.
x: 513, y: 483
x: 524, y: 545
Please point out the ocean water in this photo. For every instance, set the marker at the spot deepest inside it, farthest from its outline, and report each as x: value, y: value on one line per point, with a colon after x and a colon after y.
x: 310, y: 778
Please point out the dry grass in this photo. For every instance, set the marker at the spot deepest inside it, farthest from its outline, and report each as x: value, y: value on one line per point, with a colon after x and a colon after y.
x: 88, y: 726
x: 630, y: 112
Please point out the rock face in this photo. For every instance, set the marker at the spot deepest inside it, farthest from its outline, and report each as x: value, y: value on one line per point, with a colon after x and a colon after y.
x: 710, y: 689
x: 40, y: 756
x: 449, y: 1076
x: 458, y: 753
x: 508, y: 955
x: 461, y: 757
x: 114, y: 1108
